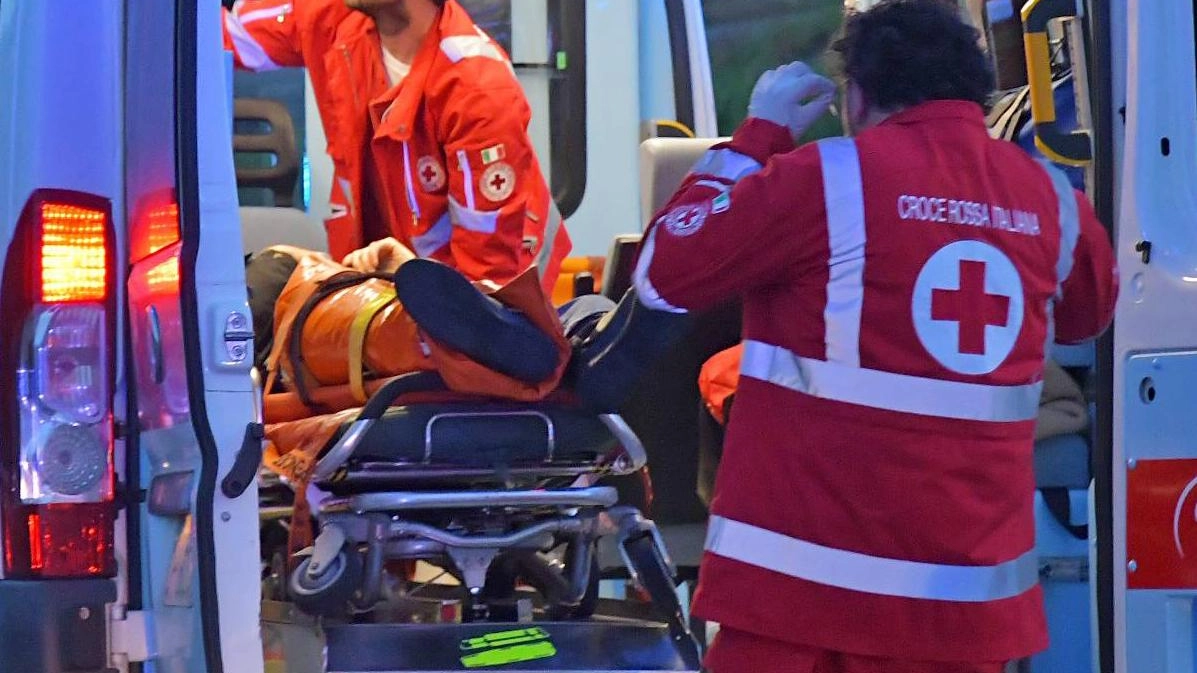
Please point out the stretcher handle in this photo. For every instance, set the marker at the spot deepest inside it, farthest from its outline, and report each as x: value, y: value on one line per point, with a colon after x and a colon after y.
x: 1071, y: 148
x: 416, y: 382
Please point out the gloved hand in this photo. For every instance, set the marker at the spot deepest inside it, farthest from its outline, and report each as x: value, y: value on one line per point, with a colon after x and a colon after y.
x: 793, y: 96
x: 384, y: 256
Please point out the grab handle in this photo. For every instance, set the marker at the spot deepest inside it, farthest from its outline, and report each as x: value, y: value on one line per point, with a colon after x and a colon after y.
x: 1071, y: 148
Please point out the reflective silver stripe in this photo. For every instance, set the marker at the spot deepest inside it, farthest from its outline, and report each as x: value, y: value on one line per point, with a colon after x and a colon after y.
x: 460, y: 47
x: 271, y: 13
x: 646, y: 293
x: 1070, y: 220
x: 870, y: 574
x: 437, y: 237
x: 411, y: 190
x: 481, y: 221
x: 252, y: 55
x: 467, y: 176
x: 726, y: 164
x: 887, y: 390
x: 843, y: 195
x: 549, y: 240
x: 347, y: 192
x: 722, y: 187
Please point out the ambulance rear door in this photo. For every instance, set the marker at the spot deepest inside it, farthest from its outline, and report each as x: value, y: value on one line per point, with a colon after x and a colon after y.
x: 194, y: 563
x: 1150, y: 570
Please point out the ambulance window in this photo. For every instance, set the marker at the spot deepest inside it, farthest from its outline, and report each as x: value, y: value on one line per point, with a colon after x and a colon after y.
x: 780, y: 31
x: 546, y: 41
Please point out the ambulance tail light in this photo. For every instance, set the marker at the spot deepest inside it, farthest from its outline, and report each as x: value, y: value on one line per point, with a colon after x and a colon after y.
x: 58, y: 507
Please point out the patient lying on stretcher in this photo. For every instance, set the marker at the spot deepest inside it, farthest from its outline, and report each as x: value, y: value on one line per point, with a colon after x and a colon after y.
x: 328, y: 335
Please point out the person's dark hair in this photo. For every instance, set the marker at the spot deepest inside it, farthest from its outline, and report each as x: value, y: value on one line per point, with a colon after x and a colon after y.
x: 905, y: 52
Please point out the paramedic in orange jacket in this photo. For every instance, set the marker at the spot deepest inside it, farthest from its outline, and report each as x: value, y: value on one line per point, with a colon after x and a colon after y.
x: 427, y: 128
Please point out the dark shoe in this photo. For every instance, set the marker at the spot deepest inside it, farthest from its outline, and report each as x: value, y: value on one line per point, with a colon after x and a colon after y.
x: 622, y: 349
x: 454, y: 313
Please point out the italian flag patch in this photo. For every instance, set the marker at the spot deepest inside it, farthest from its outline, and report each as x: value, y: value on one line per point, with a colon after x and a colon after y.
x: 492, y: 154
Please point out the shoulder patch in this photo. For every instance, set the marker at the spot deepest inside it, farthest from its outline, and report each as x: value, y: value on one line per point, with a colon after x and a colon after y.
x: 497, y: 182
x: 685, y: 220
x: 431, y: 173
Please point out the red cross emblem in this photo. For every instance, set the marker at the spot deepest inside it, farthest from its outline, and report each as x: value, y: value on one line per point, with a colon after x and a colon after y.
x: 498, y: 182
x: 971, y: 306
x: 432, y: 176
x: 967, y: 306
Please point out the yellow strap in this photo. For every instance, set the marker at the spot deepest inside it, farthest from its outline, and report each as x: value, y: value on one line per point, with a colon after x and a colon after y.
x: 357, y: 341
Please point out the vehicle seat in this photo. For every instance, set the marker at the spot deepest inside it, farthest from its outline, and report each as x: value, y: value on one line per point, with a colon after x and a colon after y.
x: 263, y: 133
x: 664, y: 164
x: 262, y: 227
x: 264, y: 127
x: 1063, y: 461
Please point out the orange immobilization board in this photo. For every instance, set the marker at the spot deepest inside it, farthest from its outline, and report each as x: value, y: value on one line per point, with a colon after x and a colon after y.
x: 1161, y: 524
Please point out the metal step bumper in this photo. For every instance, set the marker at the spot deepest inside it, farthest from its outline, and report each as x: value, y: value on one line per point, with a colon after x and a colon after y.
x: 592, y: 646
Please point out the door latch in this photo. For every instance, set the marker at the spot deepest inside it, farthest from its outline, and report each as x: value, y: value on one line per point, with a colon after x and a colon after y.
x: 245, y: 466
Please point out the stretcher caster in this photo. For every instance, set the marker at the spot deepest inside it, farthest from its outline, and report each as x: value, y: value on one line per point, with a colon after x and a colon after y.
x: 327, y: 591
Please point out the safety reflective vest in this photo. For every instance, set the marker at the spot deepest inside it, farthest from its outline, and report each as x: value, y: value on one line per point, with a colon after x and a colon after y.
x: 899, y: 288
x: 442, y: 161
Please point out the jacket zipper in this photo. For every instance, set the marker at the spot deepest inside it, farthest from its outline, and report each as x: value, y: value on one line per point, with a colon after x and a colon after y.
x: 411, y: 190
x: 349, y: 72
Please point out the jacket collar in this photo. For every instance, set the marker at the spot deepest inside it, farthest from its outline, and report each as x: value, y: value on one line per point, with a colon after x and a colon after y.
x: 396, y: 109
x: 960, y: 110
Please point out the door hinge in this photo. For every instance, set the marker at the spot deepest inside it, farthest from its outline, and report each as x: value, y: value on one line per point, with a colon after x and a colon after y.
x: 129, y: 635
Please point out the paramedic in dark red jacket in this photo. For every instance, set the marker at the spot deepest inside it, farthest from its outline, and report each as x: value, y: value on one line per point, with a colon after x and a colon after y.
x: 873, y: 510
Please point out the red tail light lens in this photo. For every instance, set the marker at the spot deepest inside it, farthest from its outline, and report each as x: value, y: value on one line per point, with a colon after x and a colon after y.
x: 74, y: 253
x: 58, y: 505
x: 155, y: 225
x: 71, y: 541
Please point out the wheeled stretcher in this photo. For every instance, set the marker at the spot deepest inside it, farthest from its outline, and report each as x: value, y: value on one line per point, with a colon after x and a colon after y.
x: 504, y: 498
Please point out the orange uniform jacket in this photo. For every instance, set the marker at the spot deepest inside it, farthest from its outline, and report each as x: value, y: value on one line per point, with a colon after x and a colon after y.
x: 442, y: 161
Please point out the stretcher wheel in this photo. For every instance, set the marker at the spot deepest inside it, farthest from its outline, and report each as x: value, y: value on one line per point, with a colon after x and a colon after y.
x: 327, y: 594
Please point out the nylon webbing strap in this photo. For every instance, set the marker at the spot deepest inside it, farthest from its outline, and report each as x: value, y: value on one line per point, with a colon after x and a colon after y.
x: 357, y: 342
x: 326, y: 288
x: 282, y: 334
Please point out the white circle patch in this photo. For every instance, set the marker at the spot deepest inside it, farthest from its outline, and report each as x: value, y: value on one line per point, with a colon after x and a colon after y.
x: 686, y: 220
x: 431, y: 174
x: 968, y: 307
x: 497, y: 182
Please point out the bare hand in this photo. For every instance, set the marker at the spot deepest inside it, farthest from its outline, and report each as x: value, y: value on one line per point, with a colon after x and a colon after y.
x: 384, y: 256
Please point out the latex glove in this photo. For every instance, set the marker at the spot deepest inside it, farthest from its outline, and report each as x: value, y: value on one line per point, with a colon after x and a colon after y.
x: 793, y: 96
x: 384, y: 256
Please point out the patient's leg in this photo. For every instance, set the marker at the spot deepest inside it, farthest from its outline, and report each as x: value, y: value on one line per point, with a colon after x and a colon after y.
x: 580, y: 317
x: 453, y: 312
x: 623, y: 346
